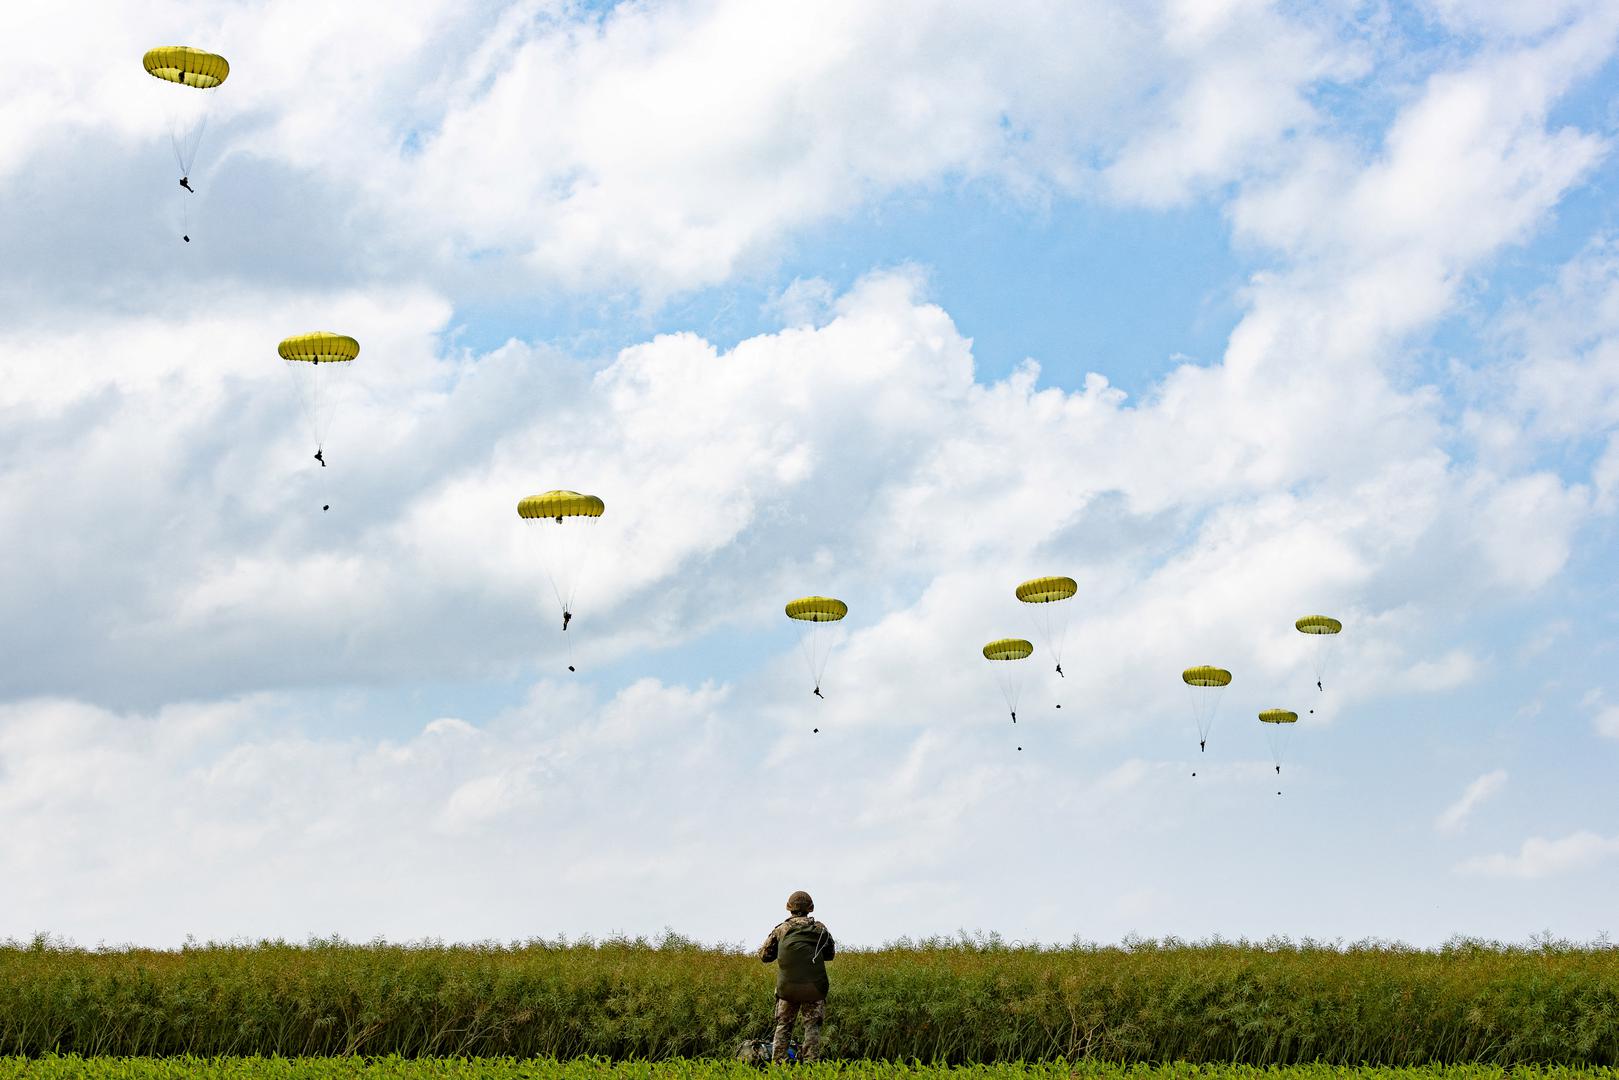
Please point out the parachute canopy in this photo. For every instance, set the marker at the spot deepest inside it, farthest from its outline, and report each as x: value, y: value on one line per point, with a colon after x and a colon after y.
x: 1318, y: 624
x: 320, y: 347
x: 1045, y: 590
x: 816, y: 609
x: 1278, y: 716
x: 1204, y: 675
x: 186, y: 66
x: 1008, y: 649
x: 560, y: 504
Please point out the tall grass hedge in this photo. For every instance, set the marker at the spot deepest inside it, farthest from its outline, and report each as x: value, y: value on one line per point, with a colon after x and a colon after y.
x: 954, y: 1001
x: 72, y: 1067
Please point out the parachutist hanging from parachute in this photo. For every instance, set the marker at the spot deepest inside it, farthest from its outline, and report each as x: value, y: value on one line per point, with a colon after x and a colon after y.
x: 812, y: 613
x: 1324, y: 629
x: 313, y: 361
x: 565, y: 539
x: 1004, y: 651
x: 1278, y: 724
x: 191, y: 70
x: 1045, y: 596
x: 1204, y: 683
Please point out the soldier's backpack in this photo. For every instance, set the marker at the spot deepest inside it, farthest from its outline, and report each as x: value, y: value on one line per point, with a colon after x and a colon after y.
x: 800, y: 971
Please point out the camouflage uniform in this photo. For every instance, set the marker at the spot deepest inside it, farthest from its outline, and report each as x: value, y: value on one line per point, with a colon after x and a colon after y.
x: 813, y: 1013
x: 804, y: 995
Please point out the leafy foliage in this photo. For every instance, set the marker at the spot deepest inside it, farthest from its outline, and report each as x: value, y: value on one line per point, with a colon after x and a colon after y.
x: 976, y: 1000
x: 397, y: 1068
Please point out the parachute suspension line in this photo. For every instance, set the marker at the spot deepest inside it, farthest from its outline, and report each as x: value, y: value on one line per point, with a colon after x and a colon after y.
x: 566, y: 549
x: 1051, y: 626
x: 810, y: 644
x: 186, y: 139
x: 315, y: 398
x: 188, y: 122
x: 1323, y: 658
x: 1052, y: 622
x: 1011, y: 686
x: 1205, y: 702
x: 563, y: 602
x: 573, y: 552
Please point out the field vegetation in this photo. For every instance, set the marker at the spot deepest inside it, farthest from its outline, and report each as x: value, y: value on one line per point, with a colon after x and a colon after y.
x: 968, y: 1001
x: 397, y: 1068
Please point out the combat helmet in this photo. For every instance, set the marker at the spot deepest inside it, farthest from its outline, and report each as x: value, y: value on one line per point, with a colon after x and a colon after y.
x: 800, y: 903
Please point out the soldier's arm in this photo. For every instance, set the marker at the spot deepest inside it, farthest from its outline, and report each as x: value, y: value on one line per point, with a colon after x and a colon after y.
x: 831, y: 949
x: 767, y: 951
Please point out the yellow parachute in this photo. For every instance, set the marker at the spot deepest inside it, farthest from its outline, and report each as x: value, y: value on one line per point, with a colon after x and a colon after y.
x: 559, y: 505
x: 1008, y: 649
x: 313, y: 361
x: 1323, y: 630
x: 1204, y: 683
x: 566, y: 538
x: 187, y: 66
x: 194, y: 69
x: 812, y: 613
x: 1044, y: 595
x: 1278, y: 724
x: 1010, y: 675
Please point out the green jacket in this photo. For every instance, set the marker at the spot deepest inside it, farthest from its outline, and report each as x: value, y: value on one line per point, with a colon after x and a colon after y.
x: 800, y: 947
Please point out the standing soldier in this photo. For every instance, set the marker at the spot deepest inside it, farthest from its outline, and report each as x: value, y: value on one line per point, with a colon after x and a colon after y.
x: 800, y: 946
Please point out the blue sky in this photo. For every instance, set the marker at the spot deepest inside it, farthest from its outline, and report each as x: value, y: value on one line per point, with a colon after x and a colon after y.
x: 1233, y: 311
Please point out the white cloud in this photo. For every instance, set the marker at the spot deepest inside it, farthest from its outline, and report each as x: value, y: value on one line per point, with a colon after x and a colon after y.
x: 1560, y: 382
x: 1441, y: 673
x: 651, y: 148
x: 1539, y: 857
x: 672, y: 146
x: 804, y: 302
x: 1604, y: 716
x: 1526, y: 17
x: 164, y: 544
x: 717, y: 469
x: 1454, y: 818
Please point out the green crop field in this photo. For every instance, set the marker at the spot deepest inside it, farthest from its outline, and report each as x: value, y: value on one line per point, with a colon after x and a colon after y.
x: 957, y: 1002
x: 61, y: 1068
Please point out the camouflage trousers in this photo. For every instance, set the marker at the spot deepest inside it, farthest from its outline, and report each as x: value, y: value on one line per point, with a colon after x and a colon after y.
x: 813, y: 1013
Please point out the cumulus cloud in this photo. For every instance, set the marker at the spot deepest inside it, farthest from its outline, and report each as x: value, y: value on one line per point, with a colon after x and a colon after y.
x: 659, y: 148
x: 1454, y: 818
x: 859, y: 455
x: 1539, y: 857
